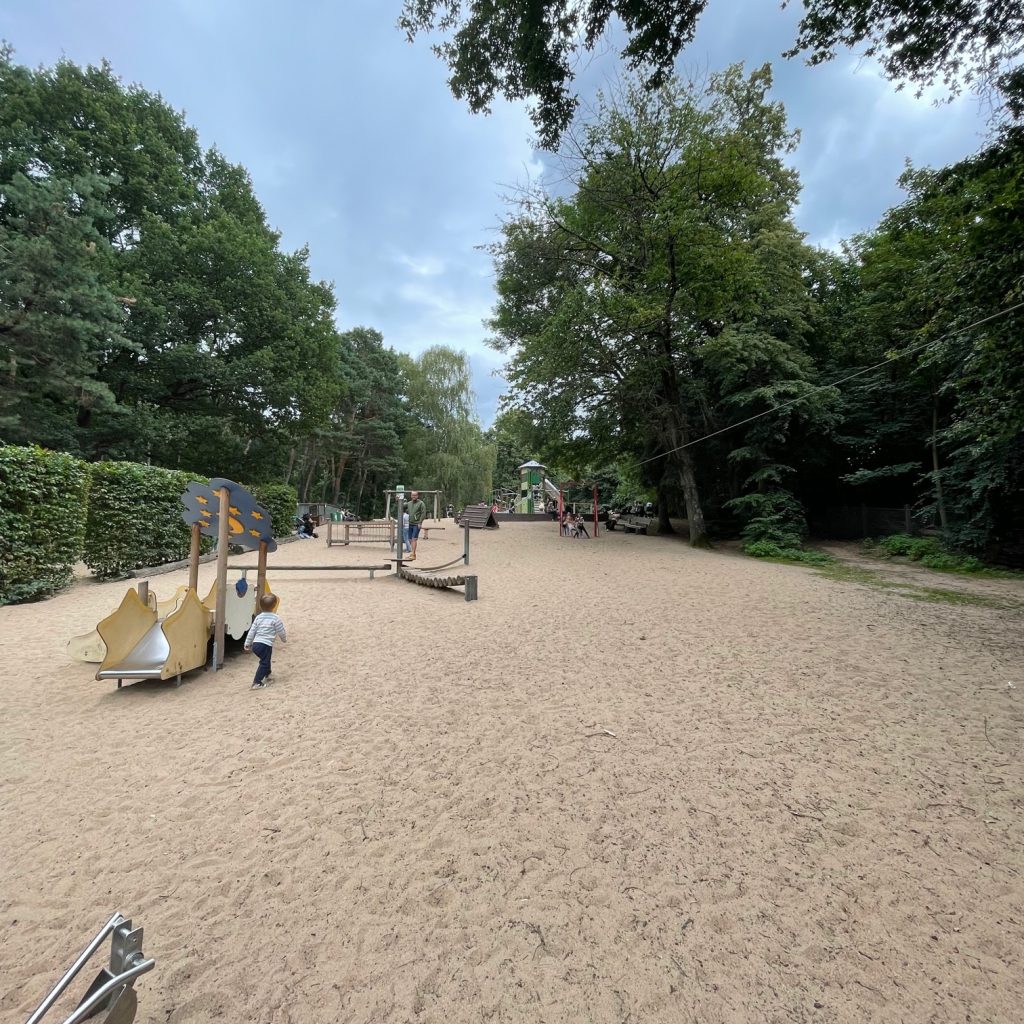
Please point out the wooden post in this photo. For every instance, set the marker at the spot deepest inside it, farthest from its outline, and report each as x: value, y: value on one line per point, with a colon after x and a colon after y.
x: 223, y: 531
x: 465, y: 543
x: 470, y: 588
x: 906, y: 519
x: 399, y: 535
x: 261, y: 573
x: 144, y: 591
x: 193, y: 558
x: 863, y: 520
x: 595, y: 511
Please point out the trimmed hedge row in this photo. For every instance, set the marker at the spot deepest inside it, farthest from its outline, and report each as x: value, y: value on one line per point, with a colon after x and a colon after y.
x: 42, y: 521
x: 135, y: 517
x: 281, y: 501
x: 116, y: 516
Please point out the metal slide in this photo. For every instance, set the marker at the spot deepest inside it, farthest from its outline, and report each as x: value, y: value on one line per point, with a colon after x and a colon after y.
x: 146, y: 659
x: 551, y: 488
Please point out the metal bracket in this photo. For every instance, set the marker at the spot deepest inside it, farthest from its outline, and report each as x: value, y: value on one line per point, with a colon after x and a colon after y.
x: 112, y: 989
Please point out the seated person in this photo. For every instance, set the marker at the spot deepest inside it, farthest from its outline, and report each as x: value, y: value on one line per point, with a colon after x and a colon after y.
x: 306, y: 526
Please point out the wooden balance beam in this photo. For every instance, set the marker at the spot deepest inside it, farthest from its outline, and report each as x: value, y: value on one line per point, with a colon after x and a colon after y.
x: 441, y: 582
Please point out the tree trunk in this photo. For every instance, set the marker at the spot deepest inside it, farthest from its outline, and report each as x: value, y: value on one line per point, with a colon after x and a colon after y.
x: 291, y: 465
x: 359, y: 499
x: 936, y: 472
x: 694, y: 511
x: 339, y: 472
x: 308, y: 482
x: 664, y: 523
x: 679, y: 457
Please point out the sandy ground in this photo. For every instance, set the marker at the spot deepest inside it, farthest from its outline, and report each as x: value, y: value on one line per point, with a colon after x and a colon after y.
x: 632, y: 783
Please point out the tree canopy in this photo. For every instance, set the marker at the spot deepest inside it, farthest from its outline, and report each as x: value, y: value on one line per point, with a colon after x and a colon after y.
x: 148, y: 312
x: 665, y: 319
x: 528, y: 49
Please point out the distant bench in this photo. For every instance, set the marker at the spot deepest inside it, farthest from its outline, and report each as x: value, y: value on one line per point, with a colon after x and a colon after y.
x: 631, y: 524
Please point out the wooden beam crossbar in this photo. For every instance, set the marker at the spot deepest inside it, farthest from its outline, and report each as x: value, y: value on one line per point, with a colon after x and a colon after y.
x: 371, y: 569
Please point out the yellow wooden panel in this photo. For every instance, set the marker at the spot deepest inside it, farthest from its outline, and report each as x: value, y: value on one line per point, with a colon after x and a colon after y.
x: 187, y: 631
x: 124, y: 628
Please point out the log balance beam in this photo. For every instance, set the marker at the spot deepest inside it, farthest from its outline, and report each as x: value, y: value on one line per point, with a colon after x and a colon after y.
x: 441, y: 582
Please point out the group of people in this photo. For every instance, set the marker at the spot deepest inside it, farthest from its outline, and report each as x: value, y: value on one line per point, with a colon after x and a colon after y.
x: 574, y: 525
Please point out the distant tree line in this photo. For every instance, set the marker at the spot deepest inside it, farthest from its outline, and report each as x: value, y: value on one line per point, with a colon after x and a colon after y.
x: 148, y: 314
x: 665, y: 319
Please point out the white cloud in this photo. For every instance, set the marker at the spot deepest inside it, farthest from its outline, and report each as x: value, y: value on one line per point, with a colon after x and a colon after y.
x: 423, y: 266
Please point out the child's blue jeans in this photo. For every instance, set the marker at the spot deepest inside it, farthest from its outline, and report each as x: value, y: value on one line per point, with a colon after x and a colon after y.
x: 264, y: 652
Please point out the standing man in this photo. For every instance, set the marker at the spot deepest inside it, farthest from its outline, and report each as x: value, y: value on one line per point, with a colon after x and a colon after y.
x: 417, y: 513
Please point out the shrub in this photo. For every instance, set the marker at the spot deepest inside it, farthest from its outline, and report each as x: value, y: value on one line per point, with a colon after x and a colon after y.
x: 135, y: 517
x: 281, y: 501
x: 931, y: 553
x: 897, y: 544
x: 766, y: 549
x: 763, y: 549
x: 774, y: 517
x: 42, y: 520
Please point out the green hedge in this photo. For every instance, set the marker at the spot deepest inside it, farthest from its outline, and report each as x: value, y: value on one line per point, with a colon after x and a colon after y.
x: 42, y: 520
x: 135, y: 517
x: 281, y: 501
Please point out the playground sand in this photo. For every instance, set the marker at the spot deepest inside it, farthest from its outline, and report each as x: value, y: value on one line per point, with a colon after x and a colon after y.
x: 633, y: 782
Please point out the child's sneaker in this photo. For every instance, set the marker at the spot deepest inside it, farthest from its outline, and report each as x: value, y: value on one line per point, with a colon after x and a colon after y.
x: 259, y: 686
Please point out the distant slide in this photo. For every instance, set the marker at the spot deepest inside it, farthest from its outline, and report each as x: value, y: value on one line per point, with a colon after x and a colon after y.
x: 550, y: 488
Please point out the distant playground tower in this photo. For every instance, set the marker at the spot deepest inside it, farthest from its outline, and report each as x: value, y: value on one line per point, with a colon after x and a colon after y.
x: 531, y: 487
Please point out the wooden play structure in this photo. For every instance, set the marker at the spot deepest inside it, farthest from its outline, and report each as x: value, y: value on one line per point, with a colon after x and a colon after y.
x: 478, y: 517
x: 140, y: 646
x: 147, y: 639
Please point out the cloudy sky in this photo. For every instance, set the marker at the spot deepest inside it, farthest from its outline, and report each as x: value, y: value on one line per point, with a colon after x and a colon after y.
x: 357, y: 148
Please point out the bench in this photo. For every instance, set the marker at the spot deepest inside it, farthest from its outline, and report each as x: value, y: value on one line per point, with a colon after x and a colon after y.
x: 633, y: 524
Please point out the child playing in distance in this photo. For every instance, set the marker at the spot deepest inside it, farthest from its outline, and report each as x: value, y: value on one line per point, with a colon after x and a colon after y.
x: 265, y: 628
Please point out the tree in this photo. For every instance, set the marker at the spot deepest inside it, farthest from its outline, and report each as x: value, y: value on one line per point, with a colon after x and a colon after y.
x: 942, y: 425
x: 223, y: 349
x: 515, y: 440
x: 445, y: 447
x: 526, y: 49
x: 675, y: 241
x: 59, y: 317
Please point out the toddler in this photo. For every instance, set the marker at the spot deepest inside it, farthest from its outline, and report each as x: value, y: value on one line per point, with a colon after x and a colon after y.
x: 265, y: 629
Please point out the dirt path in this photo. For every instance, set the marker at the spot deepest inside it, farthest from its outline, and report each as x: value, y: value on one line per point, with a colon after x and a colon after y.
x: 902, y: 570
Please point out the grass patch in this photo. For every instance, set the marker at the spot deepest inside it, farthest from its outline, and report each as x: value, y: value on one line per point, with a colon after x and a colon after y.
x: 931, y: 553
x: 842, y: 572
